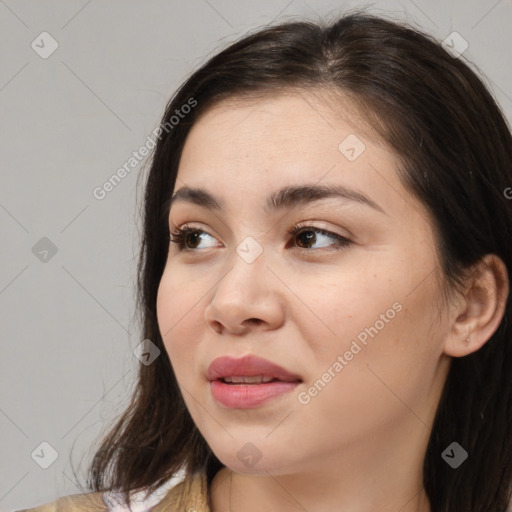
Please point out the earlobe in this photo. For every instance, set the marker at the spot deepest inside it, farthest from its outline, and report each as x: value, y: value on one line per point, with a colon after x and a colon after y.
x: 480, y: 310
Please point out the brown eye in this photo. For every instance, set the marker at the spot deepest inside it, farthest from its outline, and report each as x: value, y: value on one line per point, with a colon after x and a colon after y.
x: 306, y: 236
x: 193, y: 238
x: 187, y: 238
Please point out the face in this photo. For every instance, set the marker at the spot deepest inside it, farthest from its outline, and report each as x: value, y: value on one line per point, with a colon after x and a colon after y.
x: 346, y: 303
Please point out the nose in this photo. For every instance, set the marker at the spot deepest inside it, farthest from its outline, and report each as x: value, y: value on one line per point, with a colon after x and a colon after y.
x: 247, y: 297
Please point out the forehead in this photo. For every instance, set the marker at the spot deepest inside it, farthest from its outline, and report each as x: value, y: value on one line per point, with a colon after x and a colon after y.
x: 248, y: 148
x: 298, y: 126
x: 283, y: 119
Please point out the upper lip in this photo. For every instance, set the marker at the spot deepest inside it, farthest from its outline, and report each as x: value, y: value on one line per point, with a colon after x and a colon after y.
x: 248, y: 366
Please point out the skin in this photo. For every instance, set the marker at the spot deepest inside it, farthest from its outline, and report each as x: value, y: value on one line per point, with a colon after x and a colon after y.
x: 359, y: 444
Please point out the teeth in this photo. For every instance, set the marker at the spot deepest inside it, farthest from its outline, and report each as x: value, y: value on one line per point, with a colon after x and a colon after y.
x: 256, y: 379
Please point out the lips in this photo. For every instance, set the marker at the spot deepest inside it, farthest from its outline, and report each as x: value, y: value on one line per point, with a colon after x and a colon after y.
x: 232, y: 369
x: 248, y: 382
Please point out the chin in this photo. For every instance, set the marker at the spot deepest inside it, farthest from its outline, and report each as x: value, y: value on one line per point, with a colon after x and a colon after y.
x: 251, y: 458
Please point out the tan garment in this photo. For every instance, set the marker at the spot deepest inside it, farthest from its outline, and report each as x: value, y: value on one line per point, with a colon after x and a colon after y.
x: 187, y: 496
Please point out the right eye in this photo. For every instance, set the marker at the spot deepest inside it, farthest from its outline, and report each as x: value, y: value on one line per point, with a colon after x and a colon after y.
x: 185, y: 235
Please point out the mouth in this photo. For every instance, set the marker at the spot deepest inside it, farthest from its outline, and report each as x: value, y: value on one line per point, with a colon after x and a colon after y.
x: 255, y: 379
x: 249, y: 369
x: 248, y: 382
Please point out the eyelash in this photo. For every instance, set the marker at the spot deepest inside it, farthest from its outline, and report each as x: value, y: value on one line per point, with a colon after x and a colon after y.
x: 180, y: 235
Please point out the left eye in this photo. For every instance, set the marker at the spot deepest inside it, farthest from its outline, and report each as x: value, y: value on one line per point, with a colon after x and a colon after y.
x: 305, y: 235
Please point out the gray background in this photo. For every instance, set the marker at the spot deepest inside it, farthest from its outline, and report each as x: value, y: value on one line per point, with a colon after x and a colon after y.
x: 68, y: 122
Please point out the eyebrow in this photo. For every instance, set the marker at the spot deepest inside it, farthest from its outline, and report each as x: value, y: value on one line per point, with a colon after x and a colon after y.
x: 287, y: 197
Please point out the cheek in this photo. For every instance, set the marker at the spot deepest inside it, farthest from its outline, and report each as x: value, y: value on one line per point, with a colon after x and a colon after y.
x: 179, y: 298
x: 394, y: 350
x: 387, y: 318
x: 351, y: 303
x: 177, y: 309
x: 378, y: 361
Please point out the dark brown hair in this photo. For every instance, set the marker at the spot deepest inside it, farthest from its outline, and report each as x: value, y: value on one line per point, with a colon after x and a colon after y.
x: 456, y: 149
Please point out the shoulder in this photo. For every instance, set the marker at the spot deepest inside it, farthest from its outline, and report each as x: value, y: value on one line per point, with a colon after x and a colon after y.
x: 92, y: 502
x: 189, y: 494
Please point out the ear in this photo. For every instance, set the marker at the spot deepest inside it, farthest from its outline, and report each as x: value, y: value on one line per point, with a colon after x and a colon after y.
x: 478, y: 312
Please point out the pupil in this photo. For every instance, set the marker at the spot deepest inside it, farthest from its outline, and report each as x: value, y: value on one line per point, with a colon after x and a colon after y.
x: 308, y: 235
x: 195, y: 235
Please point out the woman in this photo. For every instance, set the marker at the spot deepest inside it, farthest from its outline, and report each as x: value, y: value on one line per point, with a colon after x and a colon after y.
x: 325, y: 271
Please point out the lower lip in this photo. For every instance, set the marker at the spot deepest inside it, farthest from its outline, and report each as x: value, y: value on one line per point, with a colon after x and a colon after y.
x: 247, y: 396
